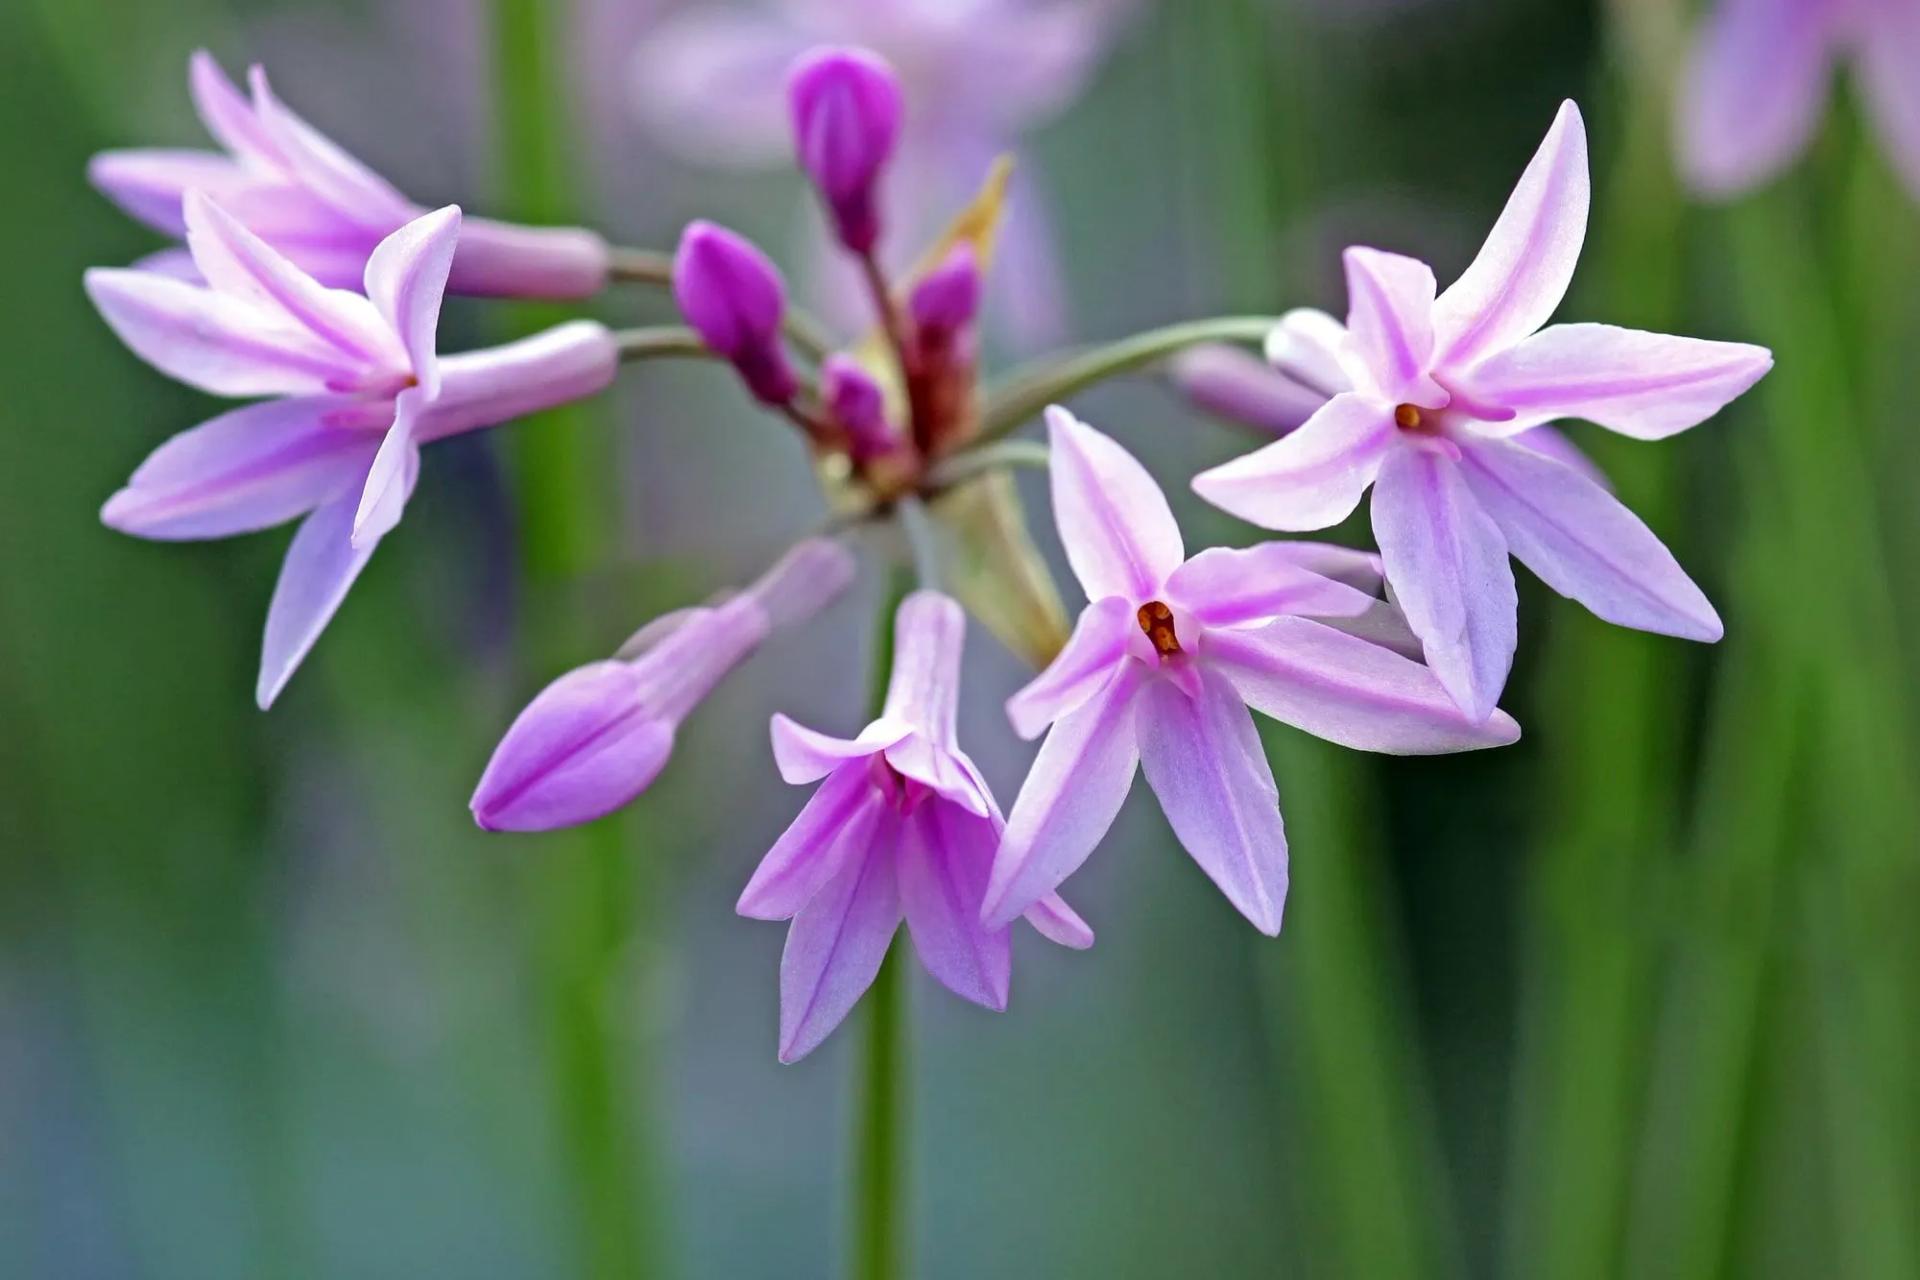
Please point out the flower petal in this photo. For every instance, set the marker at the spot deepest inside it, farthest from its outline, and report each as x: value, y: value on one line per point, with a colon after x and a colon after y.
x: 946, y: 855
x: 227, y: 114
x: 1237, y: 385
x: 923, y: 688
x: 1203, y: 759
x: 1059, y: 923
x: 1645, y: 385
x: 252, y: 468
x: 1754, y: 91
x: 221, y: 345
x: 1232, y: 587
x: 1390, y: 323
x: 836, y: 944
x: 1098, y: 643
x: 1120, y: 535
x: 391, y: 477
x: 1448, y: 566
x: 582, y: 748
x: 493, y: 385
x: 234, y: 261
x: 1523, y: 270
x: 321, y: 564
x: 352, y: 190
x: 1310, y: 347
x: 806, y: 755
x: 1312, y: 478
x: 1071, y: 796
x: 149, y: 183
x: 1360, y: 570
x: 1551, y: 442
x: 1888, y: 56
x: 407, y: 278
x: 1349, y: 690
x: 1584, y: 544
x: 836, y: 825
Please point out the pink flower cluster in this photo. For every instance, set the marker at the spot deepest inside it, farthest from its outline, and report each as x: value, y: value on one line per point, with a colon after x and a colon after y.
x: 1438, y: 401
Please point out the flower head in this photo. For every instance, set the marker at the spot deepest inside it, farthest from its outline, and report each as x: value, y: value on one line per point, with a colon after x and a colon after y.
x: 902, y: 826
x: 1161, y: 669
x: 599, y: 735
x: 858, y: 407
x: 1441, y: 386
x: 732, y: 295
x: 360, y: 389
x: 1757, y: 83
x: 317, y: 205
x: 846, y: 107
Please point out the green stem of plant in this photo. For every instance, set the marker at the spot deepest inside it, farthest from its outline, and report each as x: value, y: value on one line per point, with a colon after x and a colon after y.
x: 1024, y: 393
x: 880, y: 1131
x: 655, y: 341
x: 651, y: 267
x: 958, y: 468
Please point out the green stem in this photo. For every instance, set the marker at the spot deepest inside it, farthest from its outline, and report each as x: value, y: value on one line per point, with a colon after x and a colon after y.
x: 958, y: 468
x: 660, y: 340
x: 1024, y: 393
x: 879, y: 1165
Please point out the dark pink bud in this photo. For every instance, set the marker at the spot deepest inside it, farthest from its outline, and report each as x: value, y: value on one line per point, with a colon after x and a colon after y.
x: 846, y: 108
x: 733, y: 297
x: 946, y: 300
x: 858, y: 405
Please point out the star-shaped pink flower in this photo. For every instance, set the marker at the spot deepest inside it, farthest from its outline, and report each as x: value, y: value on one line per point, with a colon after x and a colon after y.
x: 1160, y: 671
x: 1442, y: 385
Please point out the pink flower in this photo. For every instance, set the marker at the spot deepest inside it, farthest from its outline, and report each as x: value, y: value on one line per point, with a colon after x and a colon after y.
x: 846, y: 106
x: 599, y: 735
x: 1161, y: 669
x: 903, y: 826
x: 361, y: 389
x: 1440, y: 388
x: 732, y: 296
x: 301, y: 193
x: 1757, y: 84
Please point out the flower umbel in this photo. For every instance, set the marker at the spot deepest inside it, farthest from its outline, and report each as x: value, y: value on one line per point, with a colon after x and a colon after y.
x: 902, y: 827
x: 1441, y: 386
x: 1162, y: 667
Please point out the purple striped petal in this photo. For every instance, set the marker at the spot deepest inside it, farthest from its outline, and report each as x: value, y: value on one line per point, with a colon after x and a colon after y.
x: 1203, y: 759
x: 1360, y: 570
x: 227, y: 114
x: 406, y: 280
x: 248, y: 469
x: 1754, y: 91
x: 806, y: 755
x: 1584, y: 544
x: 1071, y: 796
x: 1390, y: 322
x: 320, y: 165
x: 390, y: 479
x: 946, y: 855
x: 1311, y: 347
x: 1350, y: 691
x: 836, y: 943
x: 485, y: 388
x: 835, y: 827
x: 1312, y: 478
x: 1645, y: 385
x: 1448, y: 565
x: 1523, y: 270
x: 320, y: 567
x: 1119, y: 533
x: 923, y: 688
x: 1059, y: 923
x: 582, y: 748
x: 150, y: 183
x: 1078, y: 671
x: 1234, y: 384
x: 1229, y: 587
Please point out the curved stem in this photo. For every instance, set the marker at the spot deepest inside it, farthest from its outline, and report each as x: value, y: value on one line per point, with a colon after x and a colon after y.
x: 653, y: 341
x: 1026, y: 392
x: 961, y: 467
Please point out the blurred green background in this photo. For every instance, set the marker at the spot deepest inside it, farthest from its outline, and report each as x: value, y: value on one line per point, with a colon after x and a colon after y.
x: 1636, y: 997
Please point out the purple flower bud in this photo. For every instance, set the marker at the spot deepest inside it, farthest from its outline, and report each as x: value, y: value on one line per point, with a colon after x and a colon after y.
x: 947, y: 299
x: 846, y: 107
x: 732, y: 295
x: 858, y: 405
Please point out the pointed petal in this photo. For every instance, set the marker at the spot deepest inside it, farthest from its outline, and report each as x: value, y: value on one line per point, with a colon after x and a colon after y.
x: 321, y: 564
x: 1071, y: 796
x: 150, y: 183
x: 1753, y: 91
x: 1523, y: 270
x: 836, y: 826
x: 1360, y: 570
x: 1312, y: 478
x: 1645, y: 385
x: 222, y: 345
x: 581, y: 749
x: 226, y: 113
x: 248, y: 469
x: 1551, y: 442
x: 836, y: 944
x: 1231, y: 587
x: 390, y: 480
x: 1120, y: 535
x: 1448, y: 566
x: 805, y: 755
x: 946, y: 855
x: 407, y: 278
x: 1310, y: 347
x: 1390, y: 322
x: 234, y: 261
x: 1888, y: 56
x: 1348, y: 690
x: 1097, y: 645
x: 1584, y: 544
x: 1239, y: 386
x: 352, y: 190
x: 923, y: 689
x: 1059, y: 923
x: 1203, y: 759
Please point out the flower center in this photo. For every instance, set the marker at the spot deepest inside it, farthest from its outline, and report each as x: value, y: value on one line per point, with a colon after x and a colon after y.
x: 1156, y: 620
x: 1408, y: 418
